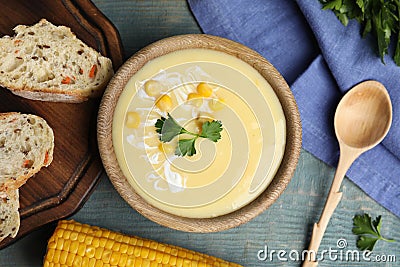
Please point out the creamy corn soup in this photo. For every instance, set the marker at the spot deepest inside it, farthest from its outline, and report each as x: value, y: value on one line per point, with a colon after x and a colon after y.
x: 195, y: 86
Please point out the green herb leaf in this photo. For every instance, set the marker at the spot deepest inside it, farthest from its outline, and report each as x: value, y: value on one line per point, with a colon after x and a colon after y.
x: 168, y: 128
x: 186, y: 147
x: 159, y: 124
x: 363, y: 225
x: 366, y: 242
x: 211, y: 130
x: 378, y: 17
x: 369, y: 231
x: 334, y: 4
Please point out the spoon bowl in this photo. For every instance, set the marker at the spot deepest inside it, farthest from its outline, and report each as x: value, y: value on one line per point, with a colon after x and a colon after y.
x: 364, y: 115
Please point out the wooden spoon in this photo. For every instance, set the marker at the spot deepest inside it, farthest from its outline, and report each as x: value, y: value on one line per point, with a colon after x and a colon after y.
x: 362, y: 119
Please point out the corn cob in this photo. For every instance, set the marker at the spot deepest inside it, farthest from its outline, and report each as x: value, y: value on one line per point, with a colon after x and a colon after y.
x: 76, y: 244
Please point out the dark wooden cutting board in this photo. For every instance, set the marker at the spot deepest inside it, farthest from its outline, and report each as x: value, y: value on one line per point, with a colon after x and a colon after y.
x: 62, y: 188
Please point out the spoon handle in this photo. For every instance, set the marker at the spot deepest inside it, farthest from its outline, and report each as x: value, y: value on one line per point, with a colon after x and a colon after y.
x: 347, y: 157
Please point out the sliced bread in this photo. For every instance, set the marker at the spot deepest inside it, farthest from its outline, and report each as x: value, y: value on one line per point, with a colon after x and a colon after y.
x: 9, y: 215
x: 49, y: 63
x: 26, y: 145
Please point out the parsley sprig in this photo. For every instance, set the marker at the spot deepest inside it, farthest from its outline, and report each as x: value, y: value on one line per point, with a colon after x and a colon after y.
x: 369, y: 231
x: 381, y: 18
x: 169, y: 128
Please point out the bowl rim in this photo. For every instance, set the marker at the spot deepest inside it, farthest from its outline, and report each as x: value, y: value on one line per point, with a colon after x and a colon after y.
x: 267, y: 70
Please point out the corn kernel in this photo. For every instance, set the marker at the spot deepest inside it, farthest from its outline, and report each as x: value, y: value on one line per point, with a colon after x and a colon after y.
x: 74, y: 246
x: 155, y: 245
x: 174, y: 252
x: 130, y: 250
x: 63, y: 256
x: 119, y: 237
x: 116, y: 246
x: 152, y: 255
x: 111, y: 235
x: 179, y: 262
x: 90, y: 250
x: 164, y: 103
x: 98, y: 253
x: 216, y: 104
x: 60, y: 233
x: 123, y: 248
x: 52, y: 244
x: 77, y: 261
x: 115, y: 257
x: 98, y: 264
x: 123, y: 259
x: 109, y: 244
x: 132, y: 120
x: 182, y: 254
x: 67, y: 234
x: 74, y: 236
x: 130, y: 262
x: 81, y: 249
x: 204, y: 89
x: 85, y: 261
x: 126, y: 239
x: 103, y: 241
x: 195, y: 99
x: 106, y: 256
x: 152, y: 88
x: 88, y: 240
x: 145, y: 263
x: 165, y: 259
x: 50, y: 254
x: 70, y: 259
x: 92, y: 262
x: 136, y: 251
x: 172, y: 260
x: 144, y: 252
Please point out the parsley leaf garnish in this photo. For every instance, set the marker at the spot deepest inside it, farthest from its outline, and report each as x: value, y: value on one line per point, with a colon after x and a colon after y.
x: 380, y: 18
x: 211, y: 130
x: 369, y: 231
x: 169, y: 128
x: 186, y: 147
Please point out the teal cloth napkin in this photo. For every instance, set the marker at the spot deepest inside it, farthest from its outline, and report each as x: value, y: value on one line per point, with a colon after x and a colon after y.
x: 320, y: 59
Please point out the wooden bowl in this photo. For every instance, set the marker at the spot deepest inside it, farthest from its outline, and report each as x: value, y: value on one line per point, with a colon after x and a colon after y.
x: 271, y: 75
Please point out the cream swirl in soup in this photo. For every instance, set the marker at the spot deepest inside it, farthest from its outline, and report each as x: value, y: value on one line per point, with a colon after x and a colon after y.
x: 194, y: 86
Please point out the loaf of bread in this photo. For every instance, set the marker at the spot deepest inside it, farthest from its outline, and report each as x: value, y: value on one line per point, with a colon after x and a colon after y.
x: 49, y: 63
x: 9, y: 215
x: 26, y: 145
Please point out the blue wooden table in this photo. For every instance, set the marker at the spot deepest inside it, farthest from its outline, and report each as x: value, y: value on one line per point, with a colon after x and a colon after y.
x: 283, y: 229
